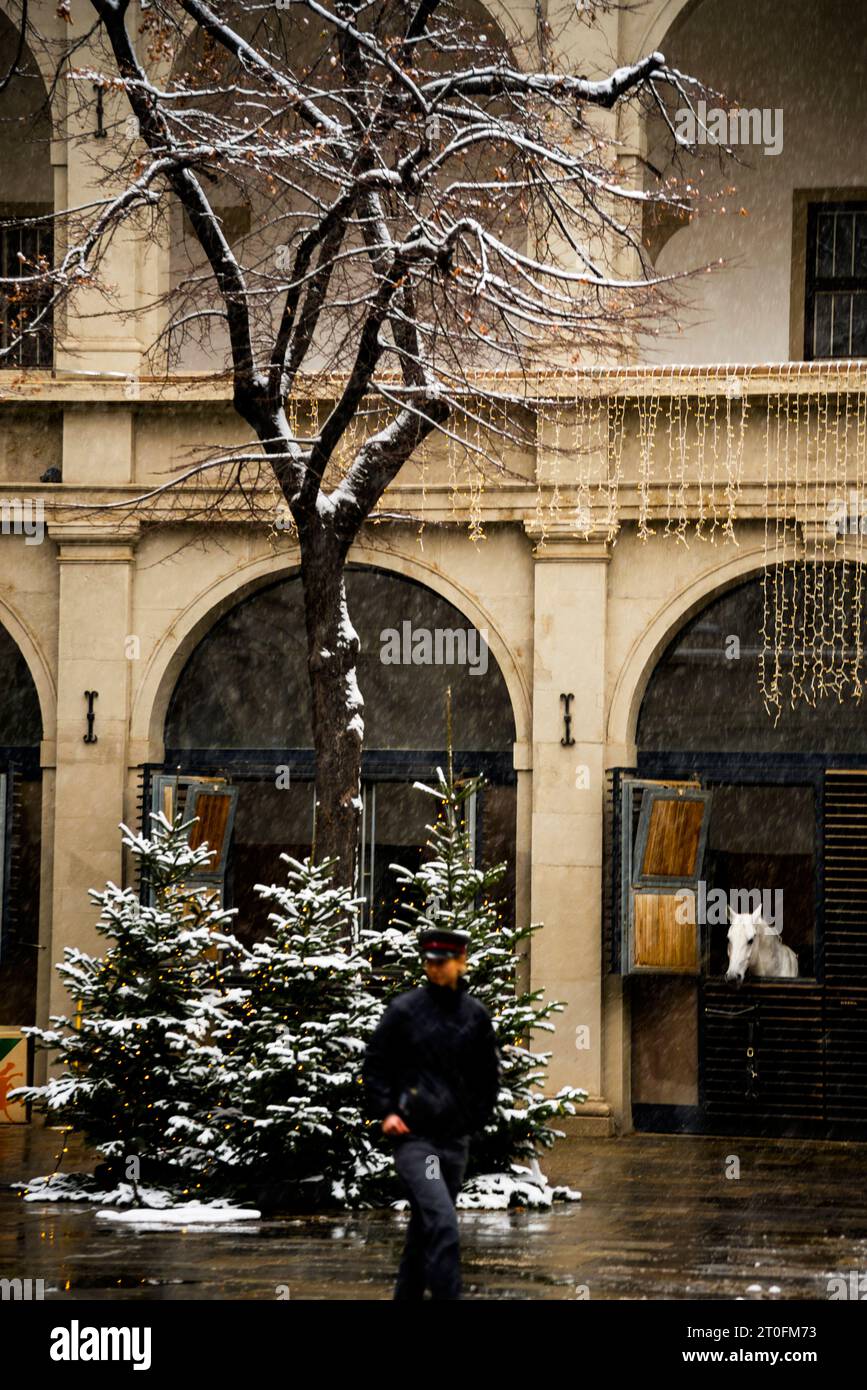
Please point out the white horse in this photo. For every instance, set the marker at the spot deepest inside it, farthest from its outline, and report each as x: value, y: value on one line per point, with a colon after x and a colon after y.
x: 756, y: 948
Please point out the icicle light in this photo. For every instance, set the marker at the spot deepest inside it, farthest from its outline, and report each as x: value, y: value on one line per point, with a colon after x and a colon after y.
x: 664, y: 450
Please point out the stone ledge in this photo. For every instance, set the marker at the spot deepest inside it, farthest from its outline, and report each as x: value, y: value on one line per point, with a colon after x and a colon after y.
x: 586, y: 1126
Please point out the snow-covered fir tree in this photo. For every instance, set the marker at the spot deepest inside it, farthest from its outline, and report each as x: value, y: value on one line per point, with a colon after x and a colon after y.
x: 228, y: 1069
x: 450, y: 892
x: 295, y: 1132
x: 140, y: 1069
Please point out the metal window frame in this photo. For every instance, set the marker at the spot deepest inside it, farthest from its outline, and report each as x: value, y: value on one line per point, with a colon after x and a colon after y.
x: 200, y: 791
x: 36, y: 350
x: 155, y: 778
x: 661, y: 882
x: 815, y: 284
x: 765, y: 769
x: 627, y: 783
x: 366, y: 858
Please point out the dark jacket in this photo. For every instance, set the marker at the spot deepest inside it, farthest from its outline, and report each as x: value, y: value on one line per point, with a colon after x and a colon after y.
x: 433, y: 1060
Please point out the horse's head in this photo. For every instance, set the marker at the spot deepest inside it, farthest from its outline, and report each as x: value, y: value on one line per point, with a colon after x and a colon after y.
x: 743, y: 930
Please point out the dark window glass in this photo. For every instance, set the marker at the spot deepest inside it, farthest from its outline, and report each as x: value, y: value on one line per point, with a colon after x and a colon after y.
x: 700, y: 698
x: 20, y: 719
x: 25, y: 249
x: 246, y: 684
x: 836, y: 280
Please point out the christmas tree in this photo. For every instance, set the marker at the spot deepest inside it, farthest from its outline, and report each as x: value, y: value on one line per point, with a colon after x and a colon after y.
x: 295, y: 1133
x: 141, y: 1069
x: 448, y: 891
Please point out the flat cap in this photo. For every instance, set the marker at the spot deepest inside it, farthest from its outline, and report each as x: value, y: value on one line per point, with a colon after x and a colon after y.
x: 435, y: 944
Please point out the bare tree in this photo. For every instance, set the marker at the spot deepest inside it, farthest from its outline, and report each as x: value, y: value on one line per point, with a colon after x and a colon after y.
x: 434, y: 217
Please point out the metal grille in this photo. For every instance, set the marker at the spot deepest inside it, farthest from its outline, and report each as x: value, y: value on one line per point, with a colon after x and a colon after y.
x: 846, y: 945
x: 22, y: 244
x: 763, y: 1053
x: 809, y: 1041
x: 846, y: 878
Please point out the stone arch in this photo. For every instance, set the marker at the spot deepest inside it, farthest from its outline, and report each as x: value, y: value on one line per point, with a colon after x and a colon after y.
x: 39, y: 58
x: 517, y: 24
x: 663, y: 16
x: 635, y: 673
x: 37, y: 665
x: 171, y: 653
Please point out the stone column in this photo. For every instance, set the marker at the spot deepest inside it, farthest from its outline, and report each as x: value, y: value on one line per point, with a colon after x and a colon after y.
x: 96, y: 577
x: 95, y: 334
x: 568, y: 798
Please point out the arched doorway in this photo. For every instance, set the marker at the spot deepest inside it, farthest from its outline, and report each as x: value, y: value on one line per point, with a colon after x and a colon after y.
x: 20, y: 836
x: 240, y: 713
x: 739, y: 813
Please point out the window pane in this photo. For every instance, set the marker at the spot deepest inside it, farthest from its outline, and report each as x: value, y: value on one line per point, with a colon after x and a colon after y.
x: 270, y: 821
x: 30, y: 242
x: 861, y: 244
x: 841, y: 324
x: 822, y: 326
x: 843, y: 245
x: 825, y: 245
x: 859, y: 325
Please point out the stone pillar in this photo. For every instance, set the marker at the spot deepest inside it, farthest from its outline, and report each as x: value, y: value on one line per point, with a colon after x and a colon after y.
x: 570, y: 588
x: 96, y: 576
x: 95, y: 334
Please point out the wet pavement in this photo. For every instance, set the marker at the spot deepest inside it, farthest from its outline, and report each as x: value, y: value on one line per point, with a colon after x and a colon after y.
x: 659, y: 1220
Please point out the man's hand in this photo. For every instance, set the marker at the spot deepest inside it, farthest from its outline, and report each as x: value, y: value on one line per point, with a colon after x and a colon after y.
x: 393, y: 1124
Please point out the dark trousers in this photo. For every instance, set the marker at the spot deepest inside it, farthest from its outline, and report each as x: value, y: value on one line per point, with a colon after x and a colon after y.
x: 431, y: 1172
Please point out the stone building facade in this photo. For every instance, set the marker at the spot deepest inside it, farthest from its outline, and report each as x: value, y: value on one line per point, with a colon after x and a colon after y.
x: 155, y: 618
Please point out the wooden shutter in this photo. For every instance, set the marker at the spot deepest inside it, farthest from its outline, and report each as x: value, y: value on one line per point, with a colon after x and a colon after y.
x: 664, y: 833
x: 211, y: 803
x: 213, y: 809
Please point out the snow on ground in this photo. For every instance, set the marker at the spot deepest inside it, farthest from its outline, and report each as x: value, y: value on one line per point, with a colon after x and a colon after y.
x: 194, y: 1213
x: 141, y: 1205
x: 522, y: 1187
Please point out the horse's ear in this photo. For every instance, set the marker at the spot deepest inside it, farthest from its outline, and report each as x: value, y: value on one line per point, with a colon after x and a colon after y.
x: 729, y: 914
x: 757, y: 914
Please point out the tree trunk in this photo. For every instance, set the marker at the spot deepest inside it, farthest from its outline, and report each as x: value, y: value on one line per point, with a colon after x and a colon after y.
x: 338, y: 726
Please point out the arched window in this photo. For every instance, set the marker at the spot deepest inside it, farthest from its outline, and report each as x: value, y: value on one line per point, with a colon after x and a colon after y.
x: 735, y: 810
x: 240, y: 711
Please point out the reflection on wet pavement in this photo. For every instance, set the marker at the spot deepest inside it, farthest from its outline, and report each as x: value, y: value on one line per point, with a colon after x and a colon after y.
x: 659, y: 1220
